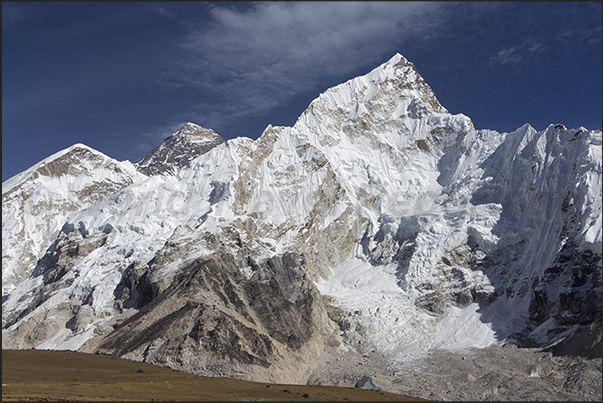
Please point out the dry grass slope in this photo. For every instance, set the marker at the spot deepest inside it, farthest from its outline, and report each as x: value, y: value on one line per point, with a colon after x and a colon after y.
x: 67, y: 375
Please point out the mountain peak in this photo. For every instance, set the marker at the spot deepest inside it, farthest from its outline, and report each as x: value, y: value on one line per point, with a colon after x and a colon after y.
x: 393, y: 95
x: 397, y: 58
x: 194, y: 130
x: 178, y: 150
x: 57, y: 164
x: 190, y: 126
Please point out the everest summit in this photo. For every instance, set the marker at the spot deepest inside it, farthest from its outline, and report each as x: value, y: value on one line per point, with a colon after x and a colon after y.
x: 378, y: 225
x: 178, y: 150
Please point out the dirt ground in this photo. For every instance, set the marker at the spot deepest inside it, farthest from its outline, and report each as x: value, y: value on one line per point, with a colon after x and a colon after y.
x: 46, y: 375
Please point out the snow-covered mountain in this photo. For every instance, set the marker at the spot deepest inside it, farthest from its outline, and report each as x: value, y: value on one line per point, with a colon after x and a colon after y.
x: 178, y: 150
x: 379, y: 222
x: 36, y: 202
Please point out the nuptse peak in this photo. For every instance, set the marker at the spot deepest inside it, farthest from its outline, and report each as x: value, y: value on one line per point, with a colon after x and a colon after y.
x: 378, y: 222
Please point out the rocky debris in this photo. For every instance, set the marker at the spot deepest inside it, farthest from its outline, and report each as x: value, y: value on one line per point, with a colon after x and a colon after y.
x: 494, y: 373
x: 366, y: 383
x: 344, y: 367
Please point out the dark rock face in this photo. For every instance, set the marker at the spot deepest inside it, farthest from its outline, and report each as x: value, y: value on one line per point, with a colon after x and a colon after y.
x: 212, y: 317
x: 178, y: 150
x: 584, y: 342
x: 578, y: 306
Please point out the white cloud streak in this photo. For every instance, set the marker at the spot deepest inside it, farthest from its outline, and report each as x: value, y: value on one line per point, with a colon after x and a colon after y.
x: 513, y: 55
x: 254, y: 60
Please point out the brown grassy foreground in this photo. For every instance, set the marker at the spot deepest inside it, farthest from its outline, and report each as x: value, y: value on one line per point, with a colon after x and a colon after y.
x: 69, y: 375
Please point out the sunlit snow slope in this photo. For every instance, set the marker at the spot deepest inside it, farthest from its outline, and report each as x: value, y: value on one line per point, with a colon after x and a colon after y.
x: 36, y: 203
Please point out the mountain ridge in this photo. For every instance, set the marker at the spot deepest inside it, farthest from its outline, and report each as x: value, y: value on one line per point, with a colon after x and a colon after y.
x: 378, y: 222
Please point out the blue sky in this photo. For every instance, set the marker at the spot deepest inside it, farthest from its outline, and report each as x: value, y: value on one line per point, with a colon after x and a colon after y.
x: 122, y: 76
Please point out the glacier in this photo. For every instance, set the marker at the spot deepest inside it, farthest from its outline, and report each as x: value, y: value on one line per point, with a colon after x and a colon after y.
x: 383, y: 222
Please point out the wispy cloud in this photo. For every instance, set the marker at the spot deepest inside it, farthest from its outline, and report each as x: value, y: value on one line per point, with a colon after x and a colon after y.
x: 545, y: 29
x: 154, y: 136
x: 255, y: 59
x: 164, y: 12
x: 580, y: 34
x: 513, y: 55
x: 509, y: 56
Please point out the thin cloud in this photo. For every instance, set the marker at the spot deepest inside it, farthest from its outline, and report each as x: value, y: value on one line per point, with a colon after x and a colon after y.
x: 508, y: 56
x: 153, y: 137
x: 547, y: 30
x: 513, y: 55
x: 256, y: 59
x: 535, y: 46
x: 580, y: 34
x: 164, y: 12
